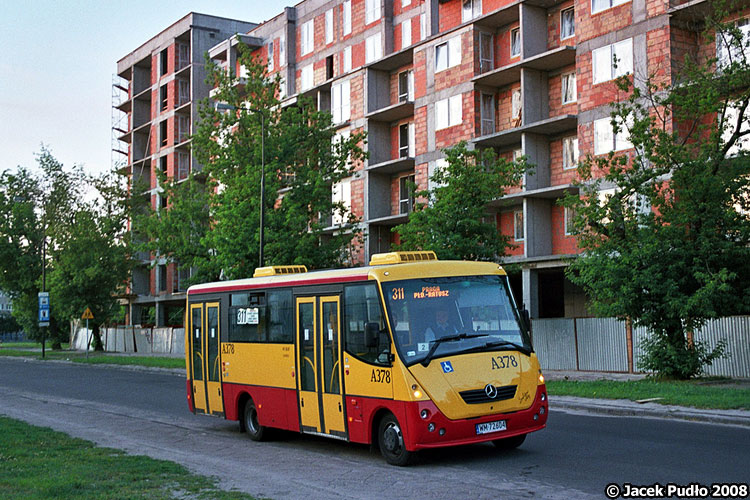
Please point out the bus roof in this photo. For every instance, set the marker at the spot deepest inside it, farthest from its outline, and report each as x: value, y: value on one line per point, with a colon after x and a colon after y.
x: 391, y: 272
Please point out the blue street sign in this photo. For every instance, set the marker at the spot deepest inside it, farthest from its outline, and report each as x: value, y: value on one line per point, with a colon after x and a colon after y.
x: 44, y: 309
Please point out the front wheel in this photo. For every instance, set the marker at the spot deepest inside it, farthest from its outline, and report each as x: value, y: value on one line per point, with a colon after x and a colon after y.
x: 510, y: 443
x: 391, y: 442
x: 254, y: 430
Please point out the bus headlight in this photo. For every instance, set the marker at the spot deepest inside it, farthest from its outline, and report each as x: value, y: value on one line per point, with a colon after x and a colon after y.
x: 424, y: 414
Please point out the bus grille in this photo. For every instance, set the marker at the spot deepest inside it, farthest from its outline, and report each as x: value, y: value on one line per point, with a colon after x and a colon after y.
x: 479, y: 396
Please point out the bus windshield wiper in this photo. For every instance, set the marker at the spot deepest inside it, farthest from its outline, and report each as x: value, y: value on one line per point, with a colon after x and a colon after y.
x: 506, y: 343
x: 449, y: 338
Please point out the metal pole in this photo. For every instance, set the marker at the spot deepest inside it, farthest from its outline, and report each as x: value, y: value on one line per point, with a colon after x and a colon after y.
x: 44, y: 286
x: 88, y: 339
x: 262, y: 183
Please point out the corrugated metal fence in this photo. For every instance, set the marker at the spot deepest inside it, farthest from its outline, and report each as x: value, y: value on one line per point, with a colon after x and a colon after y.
x: 131, y: 339
x: 600, y: 344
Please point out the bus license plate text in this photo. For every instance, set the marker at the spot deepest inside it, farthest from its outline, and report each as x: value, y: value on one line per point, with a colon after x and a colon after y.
x: 487, y: 427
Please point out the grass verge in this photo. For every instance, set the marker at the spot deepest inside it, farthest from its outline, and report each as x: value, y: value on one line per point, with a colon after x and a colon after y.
x: 38, y: 463
x: 697, y: 393
x: 97, y: 358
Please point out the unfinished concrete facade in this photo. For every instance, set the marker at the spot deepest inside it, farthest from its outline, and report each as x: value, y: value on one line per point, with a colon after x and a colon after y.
x: 526, y: 77
x: 161, y: 83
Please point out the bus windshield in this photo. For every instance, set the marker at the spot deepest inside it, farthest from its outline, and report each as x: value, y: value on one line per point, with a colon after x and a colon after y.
x: 435, y: 317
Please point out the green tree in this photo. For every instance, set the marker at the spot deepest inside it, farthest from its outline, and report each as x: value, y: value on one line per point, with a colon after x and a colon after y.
x: 181, y: 231
x: 91, y: 258
x: 8, y: 324
x: 452, y: 217
x: 212, y: 222
x: 73, y: 224
x: 665, y: 231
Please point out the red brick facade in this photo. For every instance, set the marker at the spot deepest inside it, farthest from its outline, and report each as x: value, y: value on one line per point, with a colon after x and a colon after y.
x: 659, y: 42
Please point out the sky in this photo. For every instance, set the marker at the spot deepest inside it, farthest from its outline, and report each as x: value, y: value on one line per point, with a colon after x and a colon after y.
x: 58, y: 58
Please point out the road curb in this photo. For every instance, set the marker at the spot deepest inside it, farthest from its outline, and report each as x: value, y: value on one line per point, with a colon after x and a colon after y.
x: 627, y: 408
x: 133, y: 368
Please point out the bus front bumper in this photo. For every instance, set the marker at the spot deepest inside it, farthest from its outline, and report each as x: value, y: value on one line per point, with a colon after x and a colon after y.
x: 445, y: 432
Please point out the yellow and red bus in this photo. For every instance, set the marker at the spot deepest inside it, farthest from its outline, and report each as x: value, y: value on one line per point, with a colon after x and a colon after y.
x: 408, y: 353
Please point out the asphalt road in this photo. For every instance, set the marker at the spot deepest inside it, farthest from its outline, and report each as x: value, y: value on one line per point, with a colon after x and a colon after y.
x: 575, y: 457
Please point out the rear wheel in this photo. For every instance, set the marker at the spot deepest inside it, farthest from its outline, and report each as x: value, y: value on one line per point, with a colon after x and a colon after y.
x: 391, y: 442
x: 254, y: 430
x: 510, y: 443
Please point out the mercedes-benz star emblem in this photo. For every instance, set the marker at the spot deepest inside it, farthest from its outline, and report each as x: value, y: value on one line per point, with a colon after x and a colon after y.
x: 491, y: 391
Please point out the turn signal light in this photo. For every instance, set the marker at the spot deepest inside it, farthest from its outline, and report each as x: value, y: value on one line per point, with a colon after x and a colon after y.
x: 417, y: 394
x: 541, y: 378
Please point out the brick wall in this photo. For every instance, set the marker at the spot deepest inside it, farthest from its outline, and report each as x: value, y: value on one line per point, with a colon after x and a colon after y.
x: 420, y: 73
x: 449, y: 15
x: 505, y: 226
x: 592, y: 96
x: 503, y: 116
x: 502, y: 46
x: 556, y: 107
x: 449, y: 136
x: 463, y: 71
x: 590, y: 26
x: 558, y: 175
x: 561, y: 243
x: 554, y: 23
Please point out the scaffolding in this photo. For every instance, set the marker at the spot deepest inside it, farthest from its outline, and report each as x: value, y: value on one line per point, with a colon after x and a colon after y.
x: 120, y: 126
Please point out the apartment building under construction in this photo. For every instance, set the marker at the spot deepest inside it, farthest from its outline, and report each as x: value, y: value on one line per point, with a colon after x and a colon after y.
x: 155, y: 101
x: 526, y: 77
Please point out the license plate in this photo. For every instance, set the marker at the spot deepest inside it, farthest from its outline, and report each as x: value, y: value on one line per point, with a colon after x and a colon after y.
x: 487, y: 427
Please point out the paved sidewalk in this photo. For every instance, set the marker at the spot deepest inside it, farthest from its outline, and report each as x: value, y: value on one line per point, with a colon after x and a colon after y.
x: 625, y: 407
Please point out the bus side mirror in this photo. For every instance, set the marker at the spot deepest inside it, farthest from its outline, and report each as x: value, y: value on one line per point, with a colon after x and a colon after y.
x: 525, y: 317
x: 372, y: 331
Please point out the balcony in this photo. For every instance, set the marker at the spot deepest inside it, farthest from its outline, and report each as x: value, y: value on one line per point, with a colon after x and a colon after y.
x: 313, y: 91
x: 224, y: 49
x: 511, y: 137
x: 125, y: 106
x: 501, y: 17
x: 690, y: 14
x: 547, y: 61
x: 390, y: 220
x: 394, y: 60
x: 392, y: 166
x: 392, y: 113
x: 549, y: 193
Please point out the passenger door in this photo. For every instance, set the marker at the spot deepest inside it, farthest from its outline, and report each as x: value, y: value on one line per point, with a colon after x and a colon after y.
x: 205, y: 362
x: 319, y: 365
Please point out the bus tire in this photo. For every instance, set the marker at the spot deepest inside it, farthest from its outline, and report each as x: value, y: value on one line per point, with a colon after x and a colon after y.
x: 391, y: 442
x: 254, y: 430
x: 510, y: 443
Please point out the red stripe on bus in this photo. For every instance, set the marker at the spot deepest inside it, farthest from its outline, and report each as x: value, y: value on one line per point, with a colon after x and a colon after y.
x: 321, y: 281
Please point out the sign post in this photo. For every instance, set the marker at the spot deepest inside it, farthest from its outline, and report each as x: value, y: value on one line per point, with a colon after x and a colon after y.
x: 44, y: 316
x: 44, y: 311
x: 87, y: 315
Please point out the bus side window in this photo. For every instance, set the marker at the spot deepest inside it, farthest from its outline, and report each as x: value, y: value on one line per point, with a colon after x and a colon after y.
x: 280, y: 316
x: 362, y: 306
x: 247, y: 318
